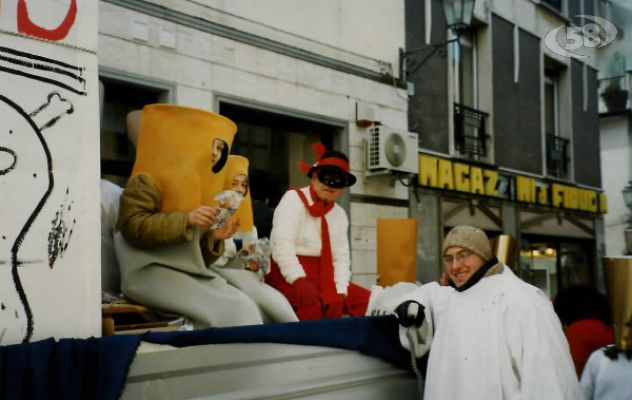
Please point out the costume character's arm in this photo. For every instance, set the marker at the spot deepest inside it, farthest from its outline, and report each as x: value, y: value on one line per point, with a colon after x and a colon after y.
x: 212, y: 249
x: 144, y: 226
x: 285, y: 228
x: 340, y: 251
x: 142, y: 223
x: 230, y: 251
x: 538, y: 349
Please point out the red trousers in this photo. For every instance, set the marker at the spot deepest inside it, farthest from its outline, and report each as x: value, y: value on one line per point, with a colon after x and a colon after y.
x: 354, y: 304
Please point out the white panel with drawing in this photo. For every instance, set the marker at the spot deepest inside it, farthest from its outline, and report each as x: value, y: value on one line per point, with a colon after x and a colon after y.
x: 49, y: 171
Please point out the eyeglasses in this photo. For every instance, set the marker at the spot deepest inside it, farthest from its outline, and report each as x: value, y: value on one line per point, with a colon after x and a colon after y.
x: 459, y: 257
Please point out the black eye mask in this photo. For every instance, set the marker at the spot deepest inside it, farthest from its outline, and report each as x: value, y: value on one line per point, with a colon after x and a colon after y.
x: 332, y: 177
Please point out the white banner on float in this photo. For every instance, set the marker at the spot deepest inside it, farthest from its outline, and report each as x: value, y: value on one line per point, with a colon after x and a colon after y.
x: 69, y: 22
x: 49, y: 171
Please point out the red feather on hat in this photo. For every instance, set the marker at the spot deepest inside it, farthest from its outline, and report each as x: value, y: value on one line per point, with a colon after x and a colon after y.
x: 303, y: 166
x: 319, y: 150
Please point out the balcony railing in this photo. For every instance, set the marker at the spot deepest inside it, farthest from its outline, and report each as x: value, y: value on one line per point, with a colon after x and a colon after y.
x: 614, y: 93
x: 557, y: 158
x: 470, y: 132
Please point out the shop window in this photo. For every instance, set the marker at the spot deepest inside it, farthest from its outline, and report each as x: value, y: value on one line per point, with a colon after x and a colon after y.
x: 538, y: 263
x: 553, y: 264
x: 117, y: 152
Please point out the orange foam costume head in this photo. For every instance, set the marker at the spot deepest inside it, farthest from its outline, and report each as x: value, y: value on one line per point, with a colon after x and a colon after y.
x: 238, y: 165
x: 175, y: 150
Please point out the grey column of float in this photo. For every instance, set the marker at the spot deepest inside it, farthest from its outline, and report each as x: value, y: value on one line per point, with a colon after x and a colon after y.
x: 426, y: 208
x: 510, y: 215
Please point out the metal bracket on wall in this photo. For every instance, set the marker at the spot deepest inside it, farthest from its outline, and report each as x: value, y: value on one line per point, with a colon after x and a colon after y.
x: 455, y: 210
x: 473, y: 205
x: 580, y: 225
x: 537, y: 219
x: 490, y: 214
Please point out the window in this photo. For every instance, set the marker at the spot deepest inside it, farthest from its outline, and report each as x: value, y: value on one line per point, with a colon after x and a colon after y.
x: 465, y: 71
x: 470, y: 134
x: 602, y: 9
x: 557, y: 147
x: 556, y: 4
x: 274, y: 144
x: 551, y: 103
x: 117, y: 152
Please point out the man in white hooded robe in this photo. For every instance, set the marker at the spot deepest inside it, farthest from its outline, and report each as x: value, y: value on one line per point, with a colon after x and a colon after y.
x: 491, y: 335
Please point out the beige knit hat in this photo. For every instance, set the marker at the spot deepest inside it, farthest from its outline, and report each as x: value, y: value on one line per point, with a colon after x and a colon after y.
x: 469, y: 238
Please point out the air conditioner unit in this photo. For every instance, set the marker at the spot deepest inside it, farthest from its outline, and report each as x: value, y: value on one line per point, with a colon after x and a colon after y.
x: 390, y: 149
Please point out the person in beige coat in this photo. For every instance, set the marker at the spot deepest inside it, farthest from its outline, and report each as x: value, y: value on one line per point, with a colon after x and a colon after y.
x: 164, y: 245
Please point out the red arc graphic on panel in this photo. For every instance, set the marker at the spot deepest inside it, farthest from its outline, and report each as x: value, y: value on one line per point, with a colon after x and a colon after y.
x: 26, y: 26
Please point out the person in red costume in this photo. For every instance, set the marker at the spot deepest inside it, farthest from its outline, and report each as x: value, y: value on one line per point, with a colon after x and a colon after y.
x: 310, y: 247
x: 585, y: 315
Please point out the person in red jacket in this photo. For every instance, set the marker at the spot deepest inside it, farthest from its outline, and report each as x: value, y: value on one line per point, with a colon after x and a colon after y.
x: 310, y: 248
x: 585, y: 315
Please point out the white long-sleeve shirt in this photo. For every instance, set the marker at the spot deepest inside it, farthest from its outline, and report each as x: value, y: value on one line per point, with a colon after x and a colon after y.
x: 606, y: 379
x: 295, y: 232
x: 499, y: 339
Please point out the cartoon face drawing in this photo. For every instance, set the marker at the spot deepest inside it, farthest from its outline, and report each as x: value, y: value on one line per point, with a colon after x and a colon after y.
x: 26, y: 181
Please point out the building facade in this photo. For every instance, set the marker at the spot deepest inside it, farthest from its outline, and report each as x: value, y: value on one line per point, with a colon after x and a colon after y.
x: 615, y: 125
x: 288, y: 73
x: 507, y: 127
x: 508, y: 137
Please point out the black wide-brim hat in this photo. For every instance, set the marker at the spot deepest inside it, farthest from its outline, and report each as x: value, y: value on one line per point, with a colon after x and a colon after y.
x: 337, y: 163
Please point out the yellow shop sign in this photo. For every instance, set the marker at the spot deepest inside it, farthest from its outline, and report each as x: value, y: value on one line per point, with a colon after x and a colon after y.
x: 445, y: 174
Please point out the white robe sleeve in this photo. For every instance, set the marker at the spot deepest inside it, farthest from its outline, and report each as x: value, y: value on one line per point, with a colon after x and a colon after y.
x: 431, y: 296
x: 340, y: 253
x: 285, y: 225
x: 538, y: 349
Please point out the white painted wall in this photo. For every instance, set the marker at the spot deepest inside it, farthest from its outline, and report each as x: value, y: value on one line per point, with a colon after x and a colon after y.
x: 364, y: 238
x: 49, y: 173
x: 355, y: 31
x: 366, y: 27
x: 616, y: 172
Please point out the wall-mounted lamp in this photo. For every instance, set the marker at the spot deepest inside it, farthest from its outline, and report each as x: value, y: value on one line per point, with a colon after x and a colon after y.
x: 458, y: 14
x: 458, y: 17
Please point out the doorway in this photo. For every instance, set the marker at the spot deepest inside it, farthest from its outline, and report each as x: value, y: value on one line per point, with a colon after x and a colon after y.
x: 275, y: 143
x: 555, y: 263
